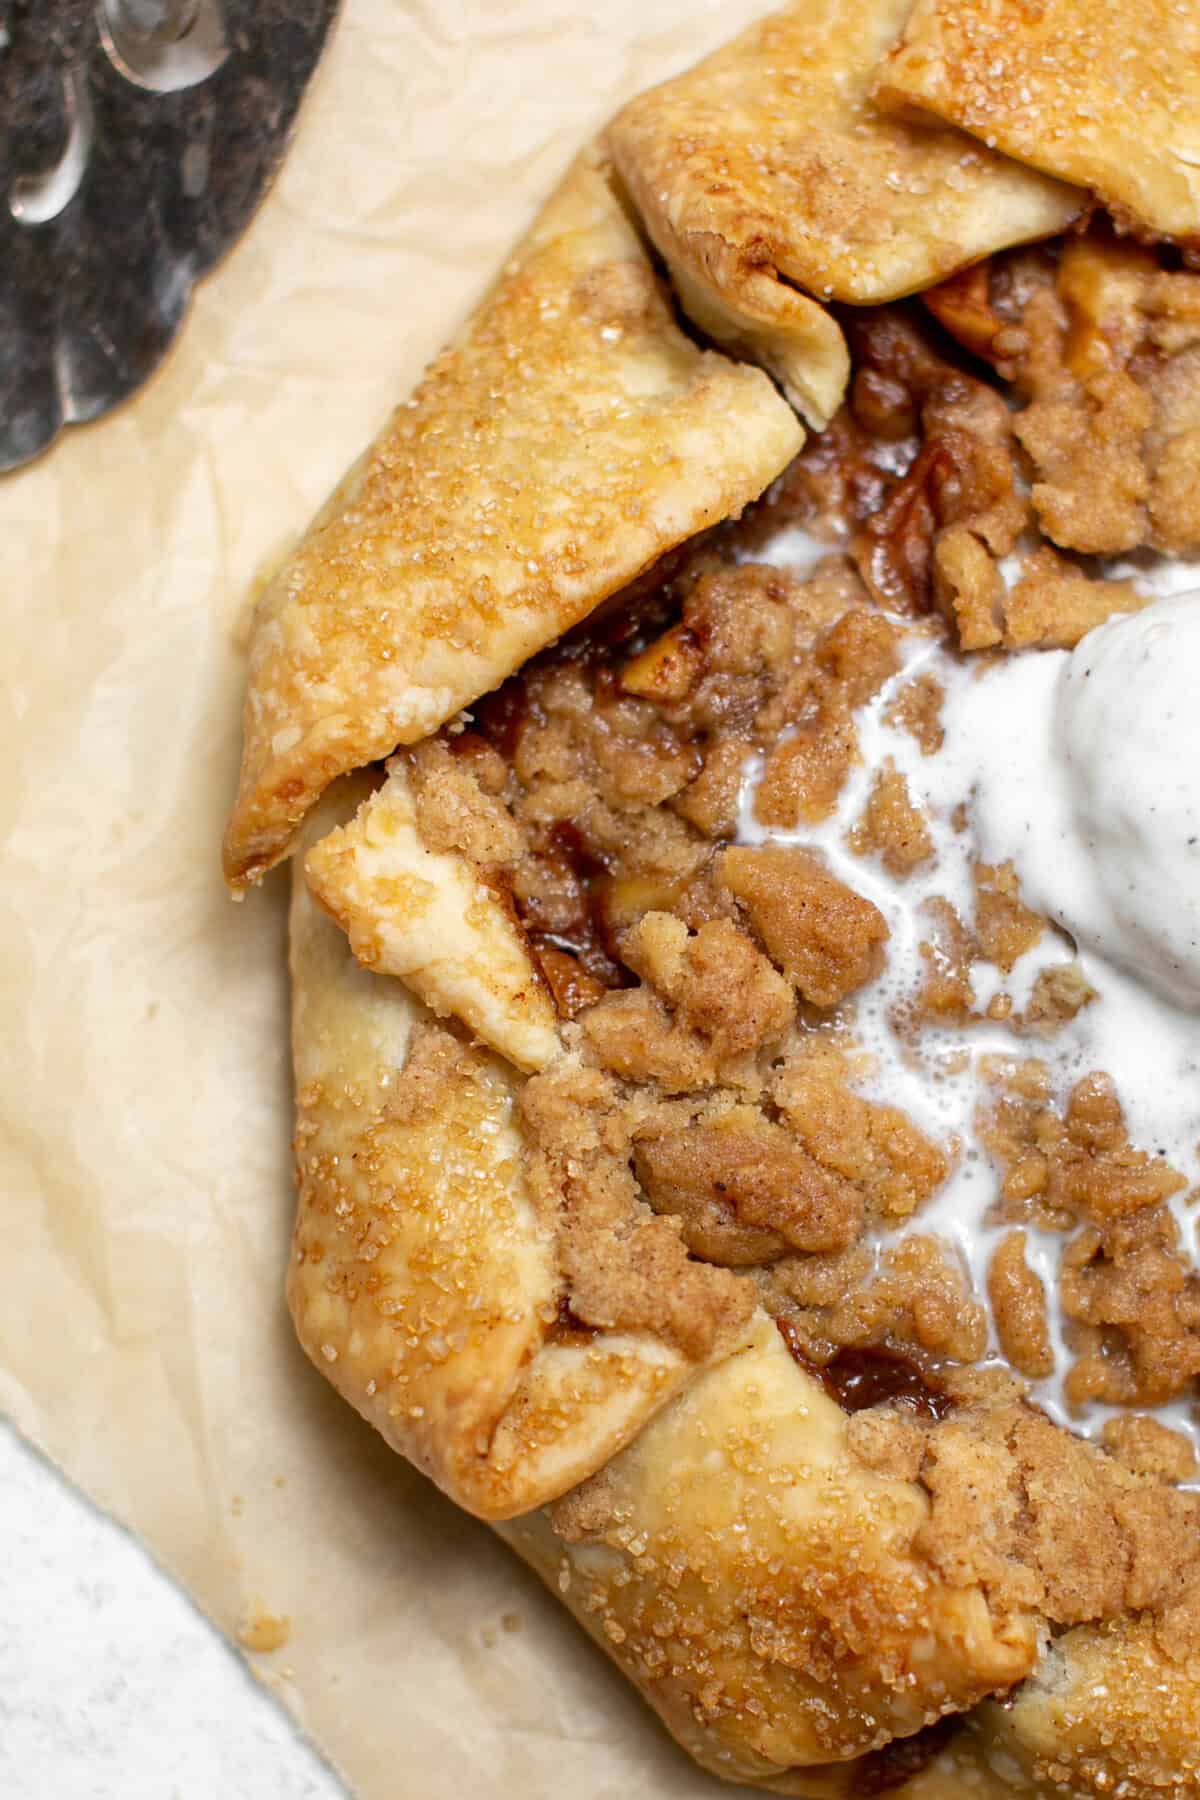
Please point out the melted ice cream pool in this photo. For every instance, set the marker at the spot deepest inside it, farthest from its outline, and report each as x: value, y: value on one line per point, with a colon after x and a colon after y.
x: 1083, y: 769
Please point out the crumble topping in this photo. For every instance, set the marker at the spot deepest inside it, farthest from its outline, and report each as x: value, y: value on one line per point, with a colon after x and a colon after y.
x: 819, y: 1053
x: 1102, y: 346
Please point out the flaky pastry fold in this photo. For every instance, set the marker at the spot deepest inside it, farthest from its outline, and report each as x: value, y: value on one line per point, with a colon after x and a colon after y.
x: 769, y: 181
x: 1105, y: 1711
x: 422, y: 1282
x: 764, y: 1588
x: 434, y: 919
x: 1104, y: 94
x: 567, y: 438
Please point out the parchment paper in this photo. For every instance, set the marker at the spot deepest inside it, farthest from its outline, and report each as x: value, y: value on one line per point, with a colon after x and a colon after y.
x: 145, y: 1185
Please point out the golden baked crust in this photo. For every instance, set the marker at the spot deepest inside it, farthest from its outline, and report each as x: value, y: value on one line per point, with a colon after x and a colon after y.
x: 422, y: 1282
x: 433, y: 918
x: 569, y: 437
x: 762, y: 1586
x: 1096, y: 92
x: 1107, y: 1712
x: 765, y: 176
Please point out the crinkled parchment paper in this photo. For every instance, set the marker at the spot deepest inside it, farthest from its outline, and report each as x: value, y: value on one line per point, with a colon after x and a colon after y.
x: 145, y: 1186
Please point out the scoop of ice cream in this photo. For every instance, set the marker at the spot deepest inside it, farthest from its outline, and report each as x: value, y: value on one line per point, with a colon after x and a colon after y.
x: 1127, y: 726
x: 1088, y: 778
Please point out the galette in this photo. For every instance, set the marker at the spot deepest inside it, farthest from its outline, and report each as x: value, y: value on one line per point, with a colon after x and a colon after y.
x: 736, y: 736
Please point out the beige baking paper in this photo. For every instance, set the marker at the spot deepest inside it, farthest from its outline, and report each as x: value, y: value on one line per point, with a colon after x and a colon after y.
x: 145, y: 1186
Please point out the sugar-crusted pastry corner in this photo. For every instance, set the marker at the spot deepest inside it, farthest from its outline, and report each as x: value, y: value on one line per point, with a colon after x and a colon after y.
x: 735, y: 736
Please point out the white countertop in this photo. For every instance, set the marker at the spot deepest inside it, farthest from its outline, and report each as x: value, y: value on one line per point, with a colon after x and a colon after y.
x: 112, y: 1685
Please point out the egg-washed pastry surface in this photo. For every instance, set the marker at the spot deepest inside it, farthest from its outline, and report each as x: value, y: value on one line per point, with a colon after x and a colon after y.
x: 766, y: 175
x: 744, y: 941
x: 424, y: 1281
x: 1105, y: 93
x: 565, y: 440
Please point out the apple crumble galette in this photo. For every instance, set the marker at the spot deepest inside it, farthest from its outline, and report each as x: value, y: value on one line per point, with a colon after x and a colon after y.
x: 737, y: 732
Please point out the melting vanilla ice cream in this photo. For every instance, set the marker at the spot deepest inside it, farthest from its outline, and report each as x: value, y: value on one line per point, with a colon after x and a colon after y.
x: 1088, y: 778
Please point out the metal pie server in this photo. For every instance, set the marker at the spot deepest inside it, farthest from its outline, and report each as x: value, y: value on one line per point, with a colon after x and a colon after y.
x: 136, y: 139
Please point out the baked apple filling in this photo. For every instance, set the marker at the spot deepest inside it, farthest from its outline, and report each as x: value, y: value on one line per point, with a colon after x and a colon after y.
x: 832, y: 899
x: 819, y: 1048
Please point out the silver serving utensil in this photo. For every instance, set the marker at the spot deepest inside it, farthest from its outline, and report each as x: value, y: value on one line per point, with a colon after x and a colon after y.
x: 136, y: 139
